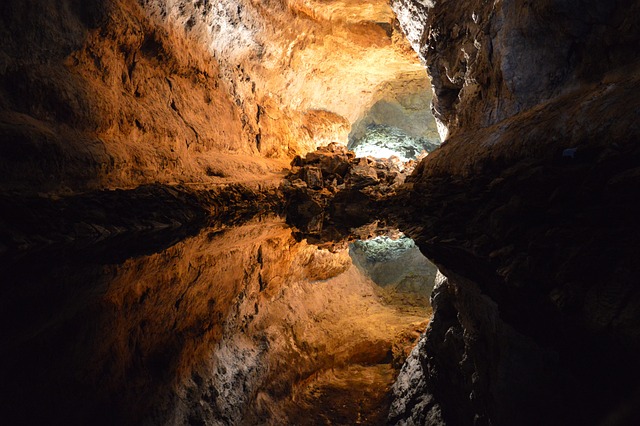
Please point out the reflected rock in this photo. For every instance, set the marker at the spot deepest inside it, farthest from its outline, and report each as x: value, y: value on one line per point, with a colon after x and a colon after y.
x: 238, y: 325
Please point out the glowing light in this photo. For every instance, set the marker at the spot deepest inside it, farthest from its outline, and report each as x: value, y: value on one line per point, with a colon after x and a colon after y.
x: 382, y: 141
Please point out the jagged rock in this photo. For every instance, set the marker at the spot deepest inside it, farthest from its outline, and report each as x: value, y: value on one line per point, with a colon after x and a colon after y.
x: 413, y: 404
x: 313, y: 177
x: 530, y: 207
x: 331, y: 192
x: 537, y: 244
x: 335, y: 165
x: 362, y: 175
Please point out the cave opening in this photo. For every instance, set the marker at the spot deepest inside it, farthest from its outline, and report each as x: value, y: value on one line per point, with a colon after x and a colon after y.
x: 399, y: 121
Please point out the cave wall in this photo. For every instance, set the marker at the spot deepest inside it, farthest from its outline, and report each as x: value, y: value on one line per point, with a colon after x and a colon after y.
x: 98, y: 95
x: 489, y: 61
x: 123, y: 92
x: 529, y: 209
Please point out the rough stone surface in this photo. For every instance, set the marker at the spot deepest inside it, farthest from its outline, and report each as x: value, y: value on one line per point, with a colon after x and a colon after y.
x: 529, y: 209
x: 330, y: 194
x: 490, y: 60
x: 114, y: 100
x: 120, y: 93
x: 382, y: 141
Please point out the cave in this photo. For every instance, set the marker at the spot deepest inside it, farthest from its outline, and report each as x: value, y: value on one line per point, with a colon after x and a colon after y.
x: 305, y: 212
x: 399, y: 122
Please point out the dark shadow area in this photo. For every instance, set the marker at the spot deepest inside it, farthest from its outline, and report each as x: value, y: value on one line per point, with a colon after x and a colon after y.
x: 144, y: 213
x: 540, y: 244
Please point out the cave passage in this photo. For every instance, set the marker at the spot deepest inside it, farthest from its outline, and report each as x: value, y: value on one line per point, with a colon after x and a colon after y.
x: 200, y: 207
x: 399, y: 123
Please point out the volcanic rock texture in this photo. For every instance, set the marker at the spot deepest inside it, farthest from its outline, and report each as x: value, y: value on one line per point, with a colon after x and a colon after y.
x: 118, y: 93
x: 530, y: 209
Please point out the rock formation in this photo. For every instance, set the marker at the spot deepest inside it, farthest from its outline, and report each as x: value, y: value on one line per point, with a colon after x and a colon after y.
x: 127, y: 126
x: 491, y: 61
x: 331, y: 195
x: 120, y: 93
x: 529, y: 210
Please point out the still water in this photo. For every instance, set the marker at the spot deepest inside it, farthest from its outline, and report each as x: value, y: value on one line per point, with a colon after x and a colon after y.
x: 238, y: 324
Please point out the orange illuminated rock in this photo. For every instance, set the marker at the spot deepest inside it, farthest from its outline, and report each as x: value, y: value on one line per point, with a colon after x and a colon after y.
x: 125, y: 92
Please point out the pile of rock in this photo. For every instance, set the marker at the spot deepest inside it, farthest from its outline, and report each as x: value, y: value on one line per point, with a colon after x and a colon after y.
x: 332, y: 190
x: 334, y: 168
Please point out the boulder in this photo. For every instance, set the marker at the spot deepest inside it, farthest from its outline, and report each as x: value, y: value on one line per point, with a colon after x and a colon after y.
x: 361, y: 176
x: 313, y: 177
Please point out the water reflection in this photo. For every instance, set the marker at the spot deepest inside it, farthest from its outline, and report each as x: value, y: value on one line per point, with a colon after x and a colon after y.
x: 239, y: 324
x: 396, y: 264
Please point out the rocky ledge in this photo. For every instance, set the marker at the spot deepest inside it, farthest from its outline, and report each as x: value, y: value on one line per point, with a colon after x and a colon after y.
x: 39, y: 221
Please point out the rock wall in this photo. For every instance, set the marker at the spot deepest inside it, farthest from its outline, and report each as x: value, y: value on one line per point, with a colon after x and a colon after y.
x: 123, y: 92
x: 97, y: 95
x: 529, y: 209
x: 491, y: 60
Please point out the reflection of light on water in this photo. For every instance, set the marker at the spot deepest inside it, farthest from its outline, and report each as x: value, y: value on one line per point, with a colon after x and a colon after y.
x: 395, y: 264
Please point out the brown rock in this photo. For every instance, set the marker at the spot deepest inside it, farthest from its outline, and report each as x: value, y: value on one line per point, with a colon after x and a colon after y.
x: 313, y: 177
x: 362, y: 175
